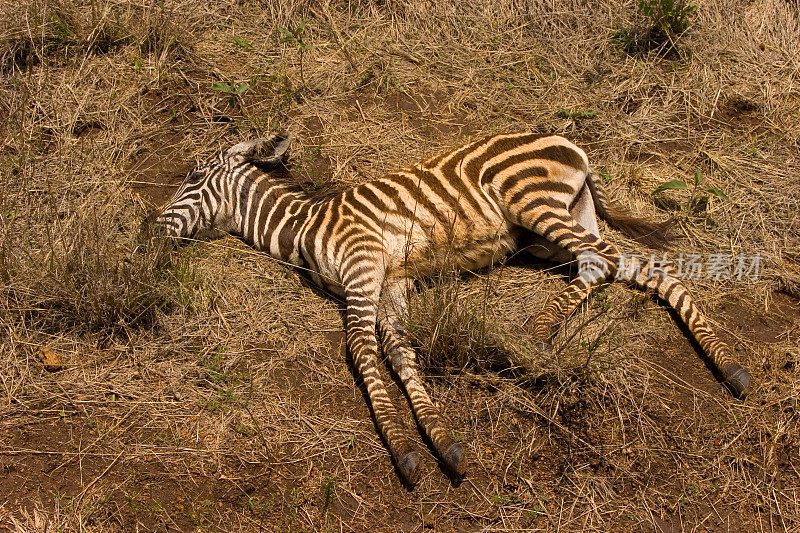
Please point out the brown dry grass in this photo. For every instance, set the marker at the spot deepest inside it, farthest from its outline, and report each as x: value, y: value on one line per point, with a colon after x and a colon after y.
x: 233, y: 406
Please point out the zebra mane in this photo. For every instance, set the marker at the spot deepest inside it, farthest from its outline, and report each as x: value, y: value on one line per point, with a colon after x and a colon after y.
x: 311, y: 189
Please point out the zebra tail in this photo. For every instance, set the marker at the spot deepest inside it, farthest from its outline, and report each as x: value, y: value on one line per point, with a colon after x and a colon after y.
x: 646, y: 232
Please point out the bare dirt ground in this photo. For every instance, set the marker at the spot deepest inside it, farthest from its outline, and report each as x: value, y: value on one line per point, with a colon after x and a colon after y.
x: 208, y: 388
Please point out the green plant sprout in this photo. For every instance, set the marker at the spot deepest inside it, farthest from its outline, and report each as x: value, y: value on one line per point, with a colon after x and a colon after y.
x: 232, y: 89
x: 665, y: 21
x: 670, y: 16
x: 296, y: 37
x: 328, y: 486
x: 241, y: 43
x: 697, y: 199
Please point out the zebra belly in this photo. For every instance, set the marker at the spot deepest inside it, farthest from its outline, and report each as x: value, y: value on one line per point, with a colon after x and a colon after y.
x: 423, y: 252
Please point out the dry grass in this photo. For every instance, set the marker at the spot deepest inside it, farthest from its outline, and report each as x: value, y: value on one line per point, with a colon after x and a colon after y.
x: 208, y: 388
x: 89, y: 273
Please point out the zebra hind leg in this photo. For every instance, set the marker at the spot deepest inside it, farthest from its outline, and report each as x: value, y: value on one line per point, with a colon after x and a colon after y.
x: 597, y: 260
x: 653, y: 277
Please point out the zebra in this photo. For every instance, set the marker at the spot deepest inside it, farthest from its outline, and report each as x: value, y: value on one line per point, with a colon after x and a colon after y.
x: 479, y: 203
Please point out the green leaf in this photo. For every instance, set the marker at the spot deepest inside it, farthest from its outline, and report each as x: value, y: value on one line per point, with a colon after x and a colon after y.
x: 288, y: 36
x: 241, y: 42
x: 222, y: 87
x: 716, y: 192
x: 604, y: 174
x: 670, y: 185
x: 242, y: 87
x: 698, y: 177
x: 577, y: 115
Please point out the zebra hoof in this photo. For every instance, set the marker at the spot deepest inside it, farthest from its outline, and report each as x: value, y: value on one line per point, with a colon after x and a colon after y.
x: 737, y: 380
x: 408, y: 466
x: 454, y: 459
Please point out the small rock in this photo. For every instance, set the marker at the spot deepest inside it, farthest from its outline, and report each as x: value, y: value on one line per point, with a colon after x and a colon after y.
x: 50, y: 359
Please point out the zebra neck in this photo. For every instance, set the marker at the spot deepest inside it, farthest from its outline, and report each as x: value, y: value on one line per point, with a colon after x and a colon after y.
x: 269, y: 218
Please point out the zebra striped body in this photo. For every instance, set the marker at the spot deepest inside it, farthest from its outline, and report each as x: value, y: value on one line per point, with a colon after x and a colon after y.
x: 467, y: 208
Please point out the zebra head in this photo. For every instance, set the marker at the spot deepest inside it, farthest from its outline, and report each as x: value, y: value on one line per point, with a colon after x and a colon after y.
x: 203, y: 207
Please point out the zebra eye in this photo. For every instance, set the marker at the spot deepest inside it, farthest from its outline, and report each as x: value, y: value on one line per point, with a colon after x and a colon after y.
x: 195, y: 176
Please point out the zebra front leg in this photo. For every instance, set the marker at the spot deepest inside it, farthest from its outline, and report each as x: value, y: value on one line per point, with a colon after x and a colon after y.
x: 362, y: 342
x: 404, y: 363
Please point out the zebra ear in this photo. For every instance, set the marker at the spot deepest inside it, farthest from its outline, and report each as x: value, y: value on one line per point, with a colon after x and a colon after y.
x: 273, y: 149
